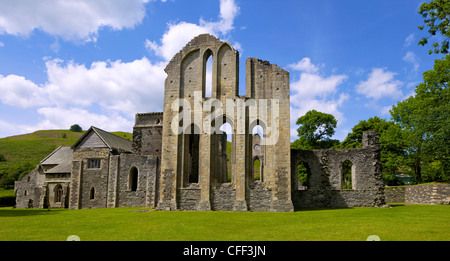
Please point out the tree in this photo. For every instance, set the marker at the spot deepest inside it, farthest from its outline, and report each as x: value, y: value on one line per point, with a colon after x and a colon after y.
x: 315, y: 131
x: 75, y: 128
x: 425, y: 118
x: 436, y: 18
x: 354, y: 138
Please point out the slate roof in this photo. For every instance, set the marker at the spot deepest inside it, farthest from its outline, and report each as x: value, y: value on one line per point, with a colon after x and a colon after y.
x: 61, y: 159
x: 59, y: 156
x: 112, y: 141
x: 61, y: 168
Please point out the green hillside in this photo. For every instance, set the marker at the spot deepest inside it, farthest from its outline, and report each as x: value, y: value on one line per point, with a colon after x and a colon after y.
x: 20, y: 154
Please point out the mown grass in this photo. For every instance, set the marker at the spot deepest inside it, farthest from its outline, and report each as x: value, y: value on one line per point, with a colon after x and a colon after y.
x: 6, y: 193
x: 399, y: 223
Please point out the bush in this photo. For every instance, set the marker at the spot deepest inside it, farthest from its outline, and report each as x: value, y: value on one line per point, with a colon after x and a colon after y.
x: 75, y: 128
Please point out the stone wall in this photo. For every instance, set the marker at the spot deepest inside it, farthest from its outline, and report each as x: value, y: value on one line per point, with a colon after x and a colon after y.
x: 395, y: 194
x: 223, y: 196
x: 419, y: 194
x: 88, y: 186
x: 147, y: 133
x: 198, y: 154
x: 29, y: 190
x: 145, y: 168
x: 325, y: 188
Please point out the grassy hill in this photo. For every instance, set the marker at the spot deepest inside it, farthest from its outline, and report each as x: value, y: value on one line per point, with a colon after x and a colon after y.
x: 22, y: 153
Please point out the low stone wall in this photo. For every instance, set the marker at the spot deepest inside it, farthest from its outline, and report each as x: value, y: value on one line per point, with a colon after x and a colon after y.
x: 419, y: 194
x: 336, y: 198
x: 395, y: 194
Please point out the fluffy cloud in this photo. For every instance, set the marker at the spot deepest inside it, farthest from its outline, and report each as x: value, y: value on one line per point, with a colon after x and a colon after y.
x: 70, y: 19
x: 106, y: 94
x: 304, y: 65
x: 122, y: 87
x: 380, y: 84
x: 178, y: 34
x: 19, y: 92
x: 315, y: 91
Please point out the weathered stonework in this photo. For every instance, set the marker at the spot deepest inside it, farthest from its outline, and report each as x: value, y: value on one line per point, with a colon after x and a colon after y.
x: 180, y: 161
x: 432, y: 194
x: 326, y: 167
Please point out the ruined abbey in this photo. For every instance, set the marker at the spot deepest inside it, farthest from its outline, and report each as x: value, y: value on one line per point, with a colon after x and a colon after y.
x: 202, y: 151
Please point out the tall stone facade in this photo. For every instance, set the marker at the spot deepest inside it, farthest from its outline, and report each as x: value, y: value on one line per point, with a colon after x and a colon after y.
x: 202, y: 152
x: 192, y: 123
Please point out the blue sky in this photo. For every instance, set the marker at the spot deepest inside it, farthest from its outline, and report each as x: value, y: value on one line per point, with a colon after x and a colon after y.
x: 100, y: 62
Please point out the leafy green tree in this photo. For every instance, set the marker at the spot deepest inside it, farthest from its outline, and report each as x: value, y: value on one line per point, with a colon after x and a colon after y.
x: 75, y: 128
x: 425, y: 118
x: 436, y: 15
x: 354, y: 138
x: 315, y: 131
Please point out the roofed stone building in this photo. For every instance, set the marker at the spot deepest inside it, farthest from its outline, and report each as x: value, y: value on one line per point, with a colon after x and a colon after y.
x: 182, y: 159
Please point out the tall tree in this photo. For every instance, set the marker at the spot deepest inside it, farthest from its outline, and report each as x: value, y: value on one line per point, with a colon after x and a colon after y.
x: 315, y: 131
x: 426, y: 118
x: 354, y: 138
x: 436, y: 16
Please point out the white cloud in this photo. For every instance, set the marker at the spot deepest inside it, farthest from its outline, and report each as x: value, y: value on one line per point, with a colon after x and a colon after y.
x: 8, y: 129
x: 410, y: 57
x: 314, y: 85
x: 315, y: 91
x: 116, y: 90
x: 70, y: 19
x: 175, y: 38
x: 106, y: 94
x: 123, y: 87
x: 228, y: 11
x: 19, y: 92
x: 179, y: 34
x: 2, y: 44
x: 380, y: 84
x: 304, y: 65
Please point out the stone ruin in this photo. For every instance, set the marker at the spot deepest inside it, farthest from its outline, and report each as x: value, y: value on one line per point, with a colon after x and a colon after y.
x: 182, y: 159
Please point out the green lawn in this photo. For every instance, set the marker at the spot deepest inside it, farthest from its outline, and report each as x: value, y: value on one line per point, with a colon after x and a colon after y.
x: 412, y: 222
x: 6, y: 193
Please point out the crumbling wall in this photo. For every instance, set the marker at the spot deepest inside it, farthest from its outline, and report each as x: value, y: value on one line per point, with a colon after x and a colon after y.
x: 29, y: 190
x: 185, y: 97
x: 325, y: 188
